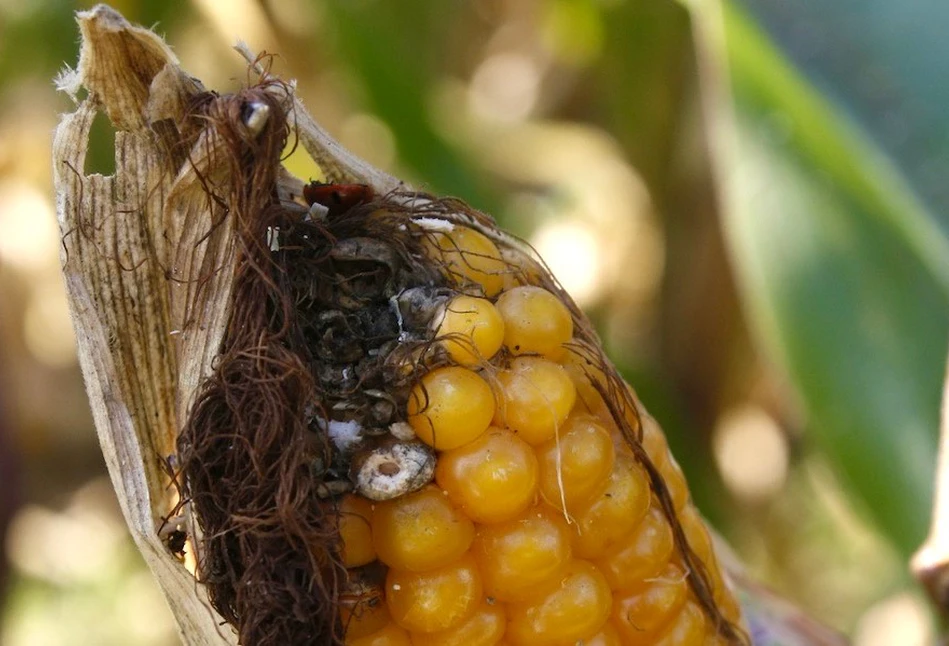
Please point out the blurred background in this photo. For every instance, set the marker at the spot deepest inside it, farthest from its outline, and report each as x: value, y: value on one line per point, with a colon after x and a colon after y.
x: 749, y: 199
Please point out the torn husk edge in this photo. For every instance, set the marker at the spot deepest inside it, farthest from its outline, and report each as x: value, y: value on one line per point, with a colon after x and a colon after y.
x: 147, y: 257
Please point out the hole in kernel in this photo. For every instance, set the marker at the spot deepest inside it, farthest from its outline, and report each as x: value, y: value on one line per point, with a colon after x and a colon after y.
x: 389, y: 468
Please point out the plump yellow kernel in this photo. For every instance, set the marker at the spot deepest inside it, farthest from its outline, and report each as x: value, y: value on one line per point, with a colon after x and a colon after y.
x: 355, y: 531
x: 642, y: 614
x: 536, y: 397
x: 492, y: 479
x: 614, y: 512
x: 471, y: 330
x: 420, y: 531
x: 641, y: 555
x: 579, y: 606
x: 389, y: 635
x: 450, y: 407
x: 535, y: 322
x: 521, y: 556
x: 362, y: 616
x: 484, y: 628
x: 672, y: 475
x: 574, y: 467
x: 435, y: 600
x: 687, y: 629
x: 607, y: 636
x: 470, y: 257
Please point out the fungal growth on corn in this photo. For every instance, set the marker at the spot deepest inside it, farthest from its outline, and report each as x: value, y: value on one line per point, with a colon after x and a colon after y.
x: 412, y: 436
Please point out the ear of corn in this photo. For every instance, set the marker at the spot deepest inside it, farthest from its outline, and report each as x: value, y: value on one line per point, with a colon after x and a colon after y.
x: 283, y: 318
x: 557, y: 515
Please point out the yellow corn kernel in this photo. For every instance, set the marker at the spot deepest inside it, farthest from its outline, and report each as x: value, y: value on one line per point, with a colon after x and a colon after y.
x: 492, y: 479
x: 420, y: 531
x: 470, y: 257
x: 535, y: 322
x: 472, y: 330
x: 484, y: 628
x: 698, y: 536
x: 688, y: 628
x: 642, y: 614
x: 578, y: 606
x: 615, y: 512
x: 584, y: 375
x: 640, y: 556
x: 355, y: 531
x: 536, y: 397
x: 672, y: 475
x: 607, y: 636
x: 389, y: 635
x: 435, y: 600
x: 575, y: 465
x: 521, y: 556
x: 450, y: 407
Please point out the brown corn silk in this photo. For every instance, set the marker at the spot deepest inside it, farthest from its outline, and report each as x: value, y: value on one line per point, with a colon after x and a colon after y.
x: 208, y: 300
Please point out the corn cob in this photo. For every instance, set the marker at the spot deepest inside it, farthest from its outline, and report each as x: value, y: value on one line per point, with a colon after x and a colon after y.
x: 557, y: 514
x: 500, y: 480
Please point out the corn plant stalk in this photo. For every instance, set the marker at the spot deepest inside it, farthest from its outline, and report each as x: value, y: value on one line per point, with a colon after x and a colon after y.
x: 146, y: 270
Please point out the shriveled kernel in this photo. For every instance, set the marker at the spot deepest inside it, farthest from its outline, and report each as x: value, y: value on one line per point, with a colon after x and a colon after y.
x: 450, y: 407
x: 484, y: 628
x: 536, y: 397
x: 355, y: 531
x: 642, y: 614
x: 362, y: 616
x: 420, y: 531
x: 641, y: 555
x: 471, y: 330
x: 470, y: 257
x: 535, y: 322
x: 574, y: 467
x: 492, y: 479
x: 687, y: 629
x: 521, y: 556
x: 579, y: 606
x: 613, y: 513
x: 435, y: 600
x: 389, y: 635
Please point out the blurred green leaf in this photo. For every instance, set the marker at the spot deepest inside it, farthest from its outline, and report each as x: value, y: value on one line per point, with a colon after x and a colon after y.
x: 878, y: 60
x: 845, y: 277
x: 398, y: 51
